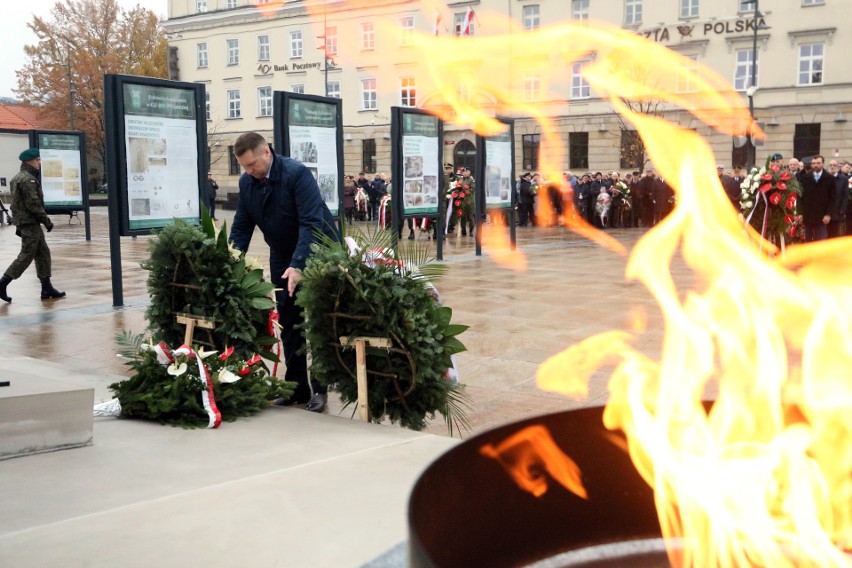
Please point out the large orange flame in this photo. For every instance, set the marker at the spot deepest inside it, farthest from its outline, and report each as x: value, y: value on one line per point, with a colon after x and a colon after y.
x: 763, y: 478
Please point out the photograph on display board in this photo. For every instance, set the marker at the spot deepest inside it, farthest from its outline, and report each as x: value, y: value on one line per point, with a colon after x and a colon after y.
x: 328, y: 187
x: 430, y: 190
x: 51, y: 168
x: 413, y: 193
x: 413, y: 166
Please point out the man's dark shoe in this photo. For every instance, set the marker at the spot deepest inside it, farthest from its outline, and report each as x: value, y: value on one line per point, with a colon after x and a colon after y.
x: 317, y: 403
x: 4, y: 281
x: 48, y: 292
x: 295, y: 399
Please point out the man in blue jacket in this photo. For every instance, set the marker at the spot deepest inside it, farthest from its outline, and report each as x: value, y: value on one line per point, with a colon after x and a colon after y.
x: 281, y: 197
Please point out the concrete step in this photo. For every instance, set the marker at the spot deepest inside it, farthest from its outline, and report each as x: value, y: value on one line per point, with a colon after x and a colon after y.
x: 41, y: 412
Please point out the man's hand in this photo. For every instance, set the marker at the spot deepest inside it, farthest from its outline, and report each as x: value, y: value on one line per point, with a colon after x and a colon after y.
x: 293, y: 275
x: 49, y: 225
x: 826, y: 219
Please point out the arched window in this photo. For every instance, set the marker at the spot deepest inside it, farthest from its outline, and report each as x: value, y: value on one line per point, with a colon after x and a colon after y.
x: 464, y: 155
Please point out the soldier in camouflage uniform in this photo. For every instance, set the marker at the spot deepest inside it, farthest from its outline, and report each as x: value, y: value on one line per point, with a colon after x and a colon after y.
x: 28, y: 210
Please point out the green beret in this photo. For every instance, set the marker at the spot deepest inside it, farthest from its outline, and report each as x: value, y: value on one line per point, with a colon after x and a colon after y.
x: 776, y: 156
x: 28, y: 154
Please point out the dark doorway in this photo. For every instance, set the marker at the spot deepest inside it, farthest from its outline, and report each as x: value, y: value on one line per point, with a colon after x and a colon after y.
x: 464, y: 155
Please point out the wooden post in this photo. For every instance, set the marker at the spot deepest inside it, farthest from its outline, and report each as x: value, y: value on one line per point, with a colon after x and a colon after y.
x: 191, y: 321
x: 360, y: 344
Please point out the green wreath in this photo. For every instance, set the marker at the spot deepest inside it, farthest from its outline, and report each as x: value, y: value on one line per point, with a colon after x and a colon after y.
x: 343, y: 296
x: 195, y: 271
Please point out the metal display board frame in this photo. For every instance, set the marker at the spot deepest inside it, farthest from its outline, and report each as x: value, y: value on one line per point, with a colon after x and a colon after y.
x: 115, y: 112
x: 41, y: 139
x: 285, y: 102
x: 481, y: 207
x: 116, y: 95
x: 402, y: 124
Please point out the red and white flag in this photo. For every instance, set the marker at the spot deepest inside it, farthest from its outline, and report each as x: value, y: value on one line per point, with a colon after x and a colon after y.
x: 438, y: 21
x: 467, y: 24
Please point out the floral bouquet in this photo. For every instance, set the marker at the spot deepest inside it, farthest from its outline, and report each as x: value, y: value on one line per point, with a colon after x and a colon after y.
x: 768, y: 203
x: 462, y: 199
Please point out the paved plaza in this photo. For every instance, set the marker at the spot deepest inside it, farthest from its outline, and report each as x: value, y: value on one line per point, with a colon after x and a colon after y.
x: 287, y: 487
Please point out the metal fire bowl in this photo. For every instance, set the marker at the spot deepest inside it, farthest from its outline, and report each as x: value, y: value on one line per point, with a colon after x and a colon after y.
x: 466, y: 511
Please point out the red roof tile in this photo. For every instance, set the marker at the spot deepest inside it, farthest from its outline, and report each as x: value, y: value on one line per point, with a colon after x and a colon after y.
x: 18, y: 117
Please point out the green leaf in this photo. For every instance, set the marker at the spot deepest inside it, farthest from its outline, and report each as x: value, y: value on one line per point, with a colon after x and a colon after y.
x: 443, y: 315
x: 454, y: 329
x: 262, y: 303
x: 453, y: 345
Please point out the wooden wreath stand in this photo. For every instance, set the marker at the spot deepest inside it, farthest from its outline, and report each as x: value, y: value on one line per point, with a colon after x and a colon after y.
x: 360, y: 344
x: 191, y: 322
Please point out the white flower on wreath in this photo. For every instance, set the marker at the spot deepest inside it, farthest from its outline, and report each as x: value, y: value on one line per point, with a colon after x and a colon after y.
x: 176, y: 369
x: 226, y: 376
x: 202, y: 354
x: 748, y: 204
x: 253, y: 263
x: 235, y: 253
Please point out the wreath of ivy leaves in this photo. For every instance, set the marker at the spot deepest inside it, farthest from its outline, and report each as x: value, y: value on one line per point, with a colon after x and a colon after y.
x: 342, y: 296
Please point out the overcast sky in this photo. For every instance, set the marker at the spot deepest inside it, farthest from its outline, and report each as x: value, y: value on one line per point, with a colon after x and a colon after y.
x: 15, y: 33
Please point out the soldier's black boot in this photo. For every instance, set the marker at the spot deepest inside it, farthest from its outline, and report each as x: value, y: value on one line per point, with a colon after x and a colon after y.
x: 3, y: 283
x: 48, y: 292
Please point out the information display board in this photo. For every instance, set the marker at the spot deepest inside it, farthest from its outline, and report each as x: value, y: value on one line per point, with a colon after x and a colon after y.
x: 309, y: 129
x: 156, y: 150
x: 416, y: 161
x: 63, y: 169
x: 498, y: 172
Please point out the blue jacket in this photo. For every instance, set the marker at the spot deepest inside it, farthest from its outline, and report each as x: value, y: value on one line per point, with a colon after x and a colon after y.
x: 289, y: 211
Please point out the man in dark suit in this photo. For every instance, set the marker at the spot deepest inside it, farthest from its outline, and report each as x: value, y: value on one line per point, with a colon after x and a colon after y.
x: 819, y: 189
x: 835, y: 227
x: 281, y: 197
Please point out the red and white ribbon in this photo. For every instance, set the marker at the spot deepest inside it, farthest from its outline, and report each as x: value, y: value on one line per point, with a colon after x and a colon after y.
x: 383, y: 211
x: 272, y: 328
x: 208, y: 400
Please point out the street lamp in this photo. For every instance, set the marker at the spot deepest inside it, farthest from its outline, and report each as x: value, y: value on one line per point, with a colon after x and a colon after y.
x: 324, y: 37
x: 71, y: 92
x: 752, y: 89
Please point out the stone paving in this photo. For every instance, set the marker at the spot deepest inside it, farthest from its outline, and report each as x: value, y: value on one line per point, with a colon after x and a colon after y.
x: 572, y: 289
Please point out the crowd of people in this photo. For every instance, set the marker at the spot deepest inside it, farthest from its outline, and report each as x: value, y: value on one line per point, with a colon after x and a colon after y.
x: 639, y: 199
x: 604, y: 201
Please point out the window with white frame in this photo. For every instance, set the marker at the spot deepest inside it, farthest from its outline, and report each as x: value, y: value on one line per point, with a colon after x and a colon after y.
x: 812, y: 2
x: 746, y: 6
x: 632, y: 12
x: 580, y: 10
x: 407, y: 92
x: 200, y: 6
x: 531, y: 17
x: 742, y: 71
x: 263, y: 48
x: 298, y: 88
x: 233, y: 52
x: 458, y: 23
x: 201, y: 54
x: 368, y: 36
x: 331, y: 40
x: 579, y: 86
x: 810, y: 63
x: 333, y: 88
x: 688, y: 8
x: 406, y: 30
x: 369, y: 94
x: 231, y: 4
x: 207, y: 102
x: 264, y: 101
x: 234, y: 103
x: 687, y: 71
x: 532, y: 88
x: 296, y: 47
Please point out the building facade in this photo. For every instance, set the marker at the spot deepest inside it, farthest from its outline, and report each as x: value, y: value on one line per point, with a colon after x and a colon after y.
x: 363, y: 52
